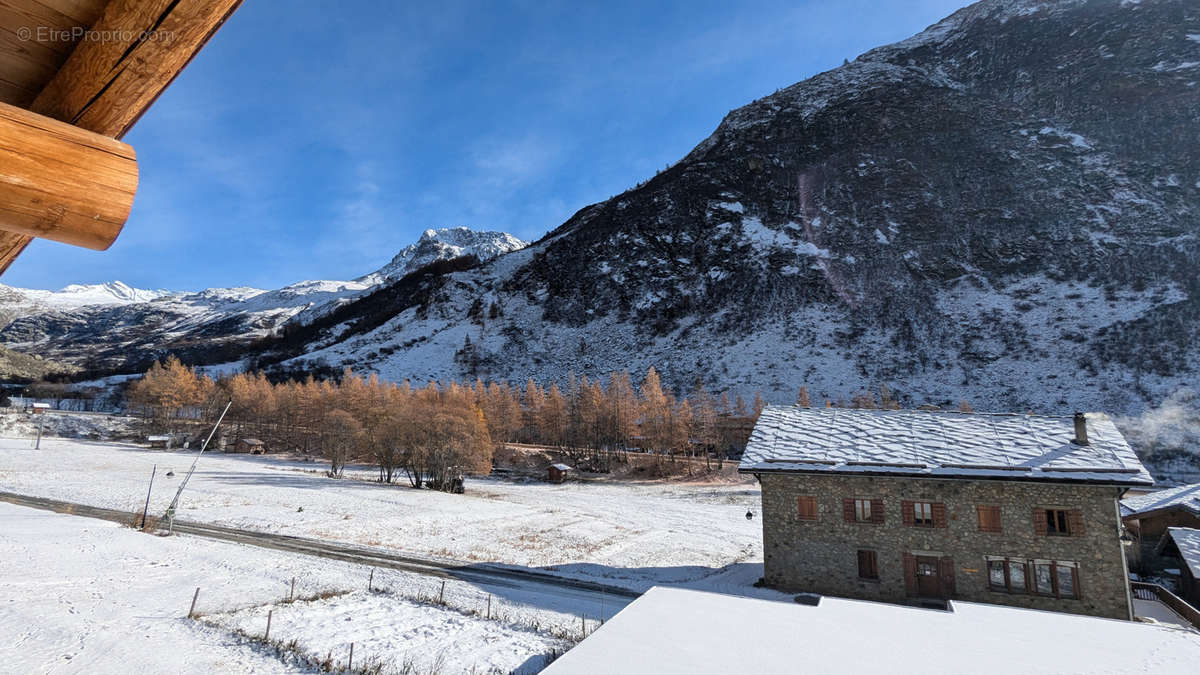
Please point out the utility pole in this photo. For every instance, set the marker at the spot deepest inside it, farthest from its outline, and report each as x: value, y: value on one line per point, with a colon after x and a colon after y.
x: 147, y: 507
x: 175, y: 502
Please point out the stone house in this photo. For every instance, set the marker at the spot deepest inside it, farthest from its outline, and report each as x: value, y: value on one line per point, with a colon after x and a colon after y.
x: 918, y: 507
x: 1147, y: 518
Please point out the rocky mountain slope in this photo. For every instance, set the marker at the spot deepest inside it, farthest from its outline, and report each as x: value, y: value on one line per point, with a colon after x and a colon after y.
x: 1002, y: 208
x: 112, y: 327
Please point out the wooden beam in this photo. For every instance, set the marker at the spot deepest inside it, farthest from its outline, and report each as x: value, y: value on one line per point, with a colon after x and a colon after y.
x: 135, y: 49
x: 61, y: 182
x: 11, y: 245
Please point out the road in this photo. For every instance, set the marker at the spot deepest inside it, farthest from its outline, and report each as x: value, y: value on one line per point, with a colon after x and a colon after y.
x: 586, y: 596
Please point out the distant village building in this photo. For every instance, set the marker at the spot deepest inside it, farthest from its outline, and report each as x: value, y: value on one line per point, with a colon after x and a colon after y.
x: 916, y: 506
x: 557, y: 473
x: 1147, y: 518
x: 39, y: 408
x: 252, y: 446
x: 1183, y: 544
x: 163, y: 441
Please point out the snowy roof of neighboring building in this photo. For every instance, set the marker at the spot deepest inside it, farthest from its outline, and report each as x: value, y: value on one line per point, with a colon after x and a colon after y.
x: 42, y: 406
x: 671, y: 630
x: 940, y: 444
x: 1187, y: 539
x: 251, y: 441
x: 560, y: 466
x: 154, y: 439
x: 1185, y: 497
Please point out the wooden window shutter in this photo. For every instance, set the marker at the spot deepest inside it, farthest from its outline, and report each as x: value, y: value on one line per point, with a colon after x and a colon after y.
x: 1075, y: 522
x: 1039, y: 521
x: 848, y: 509
x: 989, y: 518
x: 946, y: 572
x: 939, y: 514
x: 806, y: 507
x: 910, y: 574
x: 876, y: 510
x: 906, y: 512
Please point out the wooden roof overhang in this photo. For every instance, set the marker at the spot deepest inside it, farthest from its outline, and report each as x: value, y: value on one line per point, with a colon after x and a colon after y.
x: 75, y: 76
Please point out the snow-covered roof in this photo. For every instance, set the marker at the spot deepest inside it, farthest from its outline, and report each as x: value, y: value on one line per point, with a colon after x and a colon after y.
x: 560, y: 466
x: 671, y: 630
x: 252, y: 441
x: 940, y: 444
x: 154, y: 439
x: 1185, y: 497
x: 1187, y: 539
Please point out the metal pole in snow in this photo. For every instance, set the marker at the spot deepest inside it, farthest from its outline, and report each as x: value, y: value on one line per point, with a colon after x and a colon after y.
x: 183, y: 484
x: 146, y: 509
x: 38, y: 444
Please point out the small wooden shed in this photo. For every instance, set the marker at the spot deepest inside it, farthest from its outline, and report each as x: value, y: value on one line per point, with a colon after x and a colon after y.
x: 557, y: 473
x: 251, y: 445
x: 159, y: 441
x: 39, y: 408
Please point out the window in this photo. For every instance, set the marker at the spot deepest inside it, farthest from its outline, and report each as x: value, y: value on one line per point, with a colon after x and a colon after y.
x: 923, y: 514
x: 1016, y: 576
x: 1057, y: 522
x: 807, y: 508
x: 856, y: 510
x: 1007, y: 575
x: 1049, y: 577
x: 868, y: 565
x: 989, y: 518
x: 862, y: 510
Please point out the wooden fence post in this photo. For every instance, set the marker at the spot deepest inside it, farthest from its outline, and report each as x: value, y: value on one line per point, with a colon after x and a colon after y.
x: 267, y: 635
x: 371, y: 580
x: 192, y: 609
x: 350, y: 661
x: 292, y: 594
x: 489, y: 610
x: 442, y: 593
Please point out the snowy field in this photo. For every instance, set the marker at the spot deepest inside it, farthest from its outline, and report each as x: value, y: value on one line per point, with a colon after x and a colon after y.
x: 630, y: 534
x: 85, y: 595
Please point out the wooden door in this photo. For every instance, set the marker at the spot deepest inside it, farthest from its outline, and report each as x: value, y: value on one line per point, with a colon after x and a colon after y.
x: 929, y: 583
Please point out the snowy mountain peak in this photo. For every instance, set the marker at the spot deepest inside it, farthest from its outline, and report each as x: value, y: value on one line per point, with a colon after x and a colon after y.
x: 443, y: 244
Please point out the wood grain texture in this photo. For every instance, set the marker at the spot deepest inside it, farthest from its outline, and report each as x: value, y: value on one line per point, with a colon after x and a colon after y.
x: 107, y: 84
x: 35, y: 40
x: 61, y: 182
x: 11, y: 245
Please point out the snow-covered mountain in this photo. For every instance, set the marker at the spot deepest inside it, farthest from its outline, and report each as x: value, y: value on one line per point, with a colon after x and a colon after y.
x: 444, y: 244
x: 114, y: 327
x: 1004, y: 208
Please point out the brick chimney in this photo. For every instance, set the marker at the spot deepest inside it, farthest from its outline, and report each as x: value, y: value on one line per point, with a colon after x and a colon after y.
x: 1080, y: 429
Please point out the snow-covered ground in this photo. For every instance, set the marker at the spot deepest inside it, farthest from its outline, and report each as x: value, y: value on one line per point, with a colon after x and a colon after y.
x: 83, y: 595
x: 630, y: 534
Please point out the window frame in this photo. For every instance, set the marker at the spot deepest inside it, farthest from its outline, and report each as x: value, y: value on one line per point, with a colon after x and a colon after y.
x: 1058, y: 522
x: 871, y: 558
x: 920, y: 511
x: 862, y: 510
x: 1030, y: 567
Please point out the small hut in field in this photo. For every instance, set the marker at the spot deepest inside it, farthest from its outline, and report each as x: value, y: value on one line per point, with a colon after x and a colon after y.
x: 557, y: 473
x: 251, y: 446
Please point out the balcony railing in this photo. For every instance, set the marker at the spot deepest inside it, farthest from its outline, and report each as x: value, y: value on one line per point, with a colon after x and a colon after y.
x: 1147, y: 591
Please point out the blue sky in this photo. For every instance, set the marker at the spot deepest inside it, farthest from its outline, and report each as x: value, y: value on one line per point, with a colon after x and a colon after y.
x: 313, y: 142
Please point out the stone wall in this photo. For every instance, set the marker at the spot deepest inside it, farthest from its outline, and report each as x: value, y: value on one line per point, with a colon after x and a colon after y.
x: 821, y: 556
